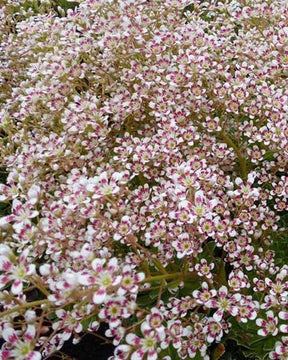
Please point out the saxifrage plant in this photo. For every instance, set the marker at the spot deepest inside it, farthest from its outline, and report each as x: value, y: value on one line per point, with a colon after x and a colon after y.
x: 145, y: 145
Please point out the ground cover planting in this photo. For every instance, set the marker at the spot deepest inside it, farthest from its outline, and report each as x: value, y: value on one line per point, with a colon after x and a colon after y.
x: 144, y: 184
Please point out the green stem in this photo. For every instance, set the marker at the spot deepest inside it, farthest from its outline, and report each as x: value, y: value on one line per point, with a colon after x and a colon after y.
x: 40, y: 287
x: 241, y: 159
x: 163, y: 277
x: 159, y: 266
x: 24, y: 306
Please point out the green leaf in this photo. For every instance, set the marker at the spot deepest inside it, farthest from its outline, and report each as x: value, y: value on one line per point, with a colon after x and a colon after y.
x: 154, y: 294
x: 250, y: 342
x: 269, y: 344
x: 159, y: 266
x: 145, y: 300
x: 86, y: 322
x: 208, y: 252
x: 189, y: 287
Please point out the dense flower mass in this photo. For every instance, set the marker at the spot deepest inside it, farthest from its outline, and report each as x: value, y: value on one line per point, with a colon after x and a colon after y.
x: 144, y: 150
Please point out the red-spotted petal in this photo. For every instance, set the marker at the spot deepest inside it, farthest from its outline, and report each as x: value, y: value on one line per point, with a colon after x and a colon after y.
x: 99, y: 296
x: 17, y: 287
x: 10, y: 335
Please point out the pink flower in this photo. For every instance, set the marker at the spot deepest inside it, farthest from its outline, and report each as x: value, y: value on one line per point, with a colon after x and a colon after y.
x: 123, y: 228
x: 116, y: 333
x: 238, y: 280
x: 279, y: 286
x: 8, y: 192
x: 283, y: 315
x: 21, y: 214
x: 246, y: 190
x: 145, y: 345
x: 183, y: 245
x: 20, y: 348
x: 213, y: 330
x: 18, y: 273
x: 113, y: 312
x: 225, y: 303
x: 281, y: 350
x: 103, y: 275
x: 174, y: 334
x: 202, y: 297
x: 269, y: 326
x: 129, y: 280
x: 247, y: 309
x: 256, y: 154
x: 203, y: 269
x: 67, y: 323
x: 202, y: 206
x: 154, y: 321
x: 100, y: 186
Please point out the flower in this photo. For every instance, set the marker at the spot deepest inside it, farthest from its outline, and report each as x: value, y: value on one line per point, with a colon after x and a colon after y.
x: 206, y: 295
x: 202, y: 206
x: 147, y: 344
x: 20, y: 348
x: 68, y: 321
x: 203, y: 269
x: 213, y: 330
x: 102, y: 276
x: 225, y: 303
x: 283, y: 315
x: 18, y: 273
x: 21, y: 214
x: 153, y: 321
x: 281, y: 350
x: 269, y: 326
x: 100, y: 186
x: 144, y: 174
x: 129, y: 280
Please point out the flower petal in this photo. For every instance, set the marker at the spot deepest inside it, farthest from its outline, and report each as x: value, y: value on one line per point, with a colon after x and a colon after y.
x: 30, y: 332
x: 17, y: 287
x: 7, y: 219
x: 9, y: 335
x: 34, y: 355
x: 284, y: 328
x: 4, y: 279
x: 132, y: 339
x: 99, y: 296
x: 283, y: 315
x: 137, y: 355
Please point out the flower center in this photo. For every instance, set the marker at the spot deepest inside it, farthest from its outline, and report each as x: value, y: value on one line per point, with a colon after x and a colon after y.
x: 149, y: 343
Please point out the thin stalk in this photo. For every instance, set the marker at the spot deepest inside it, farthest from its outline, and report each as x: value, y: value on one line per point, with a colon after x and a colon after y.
x: 241, y: 159
x: 163, y: 277
x: 24, y: 306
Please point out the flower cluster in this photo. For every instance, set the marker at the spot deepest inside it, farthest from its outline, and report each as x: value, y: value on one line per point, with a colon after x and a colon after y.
x: 144, y: 152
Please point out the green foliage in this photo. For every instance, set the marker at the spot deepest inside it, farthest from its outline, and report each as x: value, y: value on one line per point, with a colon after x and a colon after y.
x: 65, y: 6
x: 86, y: 322
x: 208, y: 251
x: 249, y: 342
x: 280, y: 241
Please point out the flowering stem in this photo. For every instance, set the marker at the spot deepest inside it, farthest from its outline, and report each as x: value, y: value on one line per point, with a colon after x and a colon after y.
x: 159, y: 266
x: 162, y: 277
x: 24, y: 306
x: 106, y: 341
x: 241, y: 159
x: 40, y: 286
x: 160, y: 293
